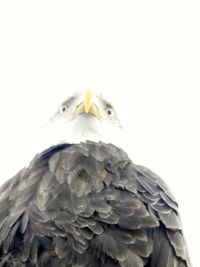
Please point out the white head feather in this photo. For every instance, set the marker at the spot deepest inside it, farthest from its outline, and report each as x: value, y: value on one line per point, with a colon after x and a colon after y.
x: 82, y: 117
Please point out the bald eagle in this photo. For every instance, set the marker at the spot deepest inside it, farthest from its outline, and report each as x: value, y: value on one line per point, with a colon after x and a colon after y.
x: 86, y: 204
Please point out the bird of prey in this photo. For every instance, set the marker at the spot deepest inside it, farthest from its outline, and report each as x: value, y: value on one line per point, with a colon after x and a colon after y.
x: 86, y: 204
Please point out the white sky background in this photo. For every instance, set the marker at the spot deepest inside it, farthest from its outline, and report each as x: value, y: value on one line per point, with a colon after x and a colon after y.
x: 143, y: 55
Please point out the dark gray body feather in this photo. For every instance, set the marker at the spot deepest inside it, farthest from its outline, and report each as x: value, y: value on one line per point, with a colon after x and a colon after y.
x: 89, y: 205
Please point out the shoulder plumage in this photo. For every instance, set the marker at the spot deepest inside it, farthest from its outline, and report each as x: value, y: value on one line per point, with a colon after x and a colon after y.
x: 87, y: 204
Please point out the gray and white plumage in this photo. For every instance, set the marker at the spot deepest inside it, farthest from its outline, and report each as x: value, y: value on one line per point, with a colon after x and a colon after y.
x: 88, y: 204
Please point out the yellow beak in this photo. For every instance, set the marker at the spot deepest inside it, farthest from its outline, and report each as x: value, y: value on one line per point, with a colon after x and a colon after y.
x: 87, y: 106
x: 88, y: 101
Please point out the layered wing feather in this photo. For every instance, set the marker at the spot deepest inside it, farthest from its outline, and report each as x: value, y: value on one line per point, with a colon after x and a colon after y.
x: 89, y: 205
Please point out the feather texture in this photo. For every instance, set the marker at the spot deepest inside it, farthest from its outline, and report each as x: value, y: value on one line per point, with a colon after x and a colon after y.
x: 89, y: 205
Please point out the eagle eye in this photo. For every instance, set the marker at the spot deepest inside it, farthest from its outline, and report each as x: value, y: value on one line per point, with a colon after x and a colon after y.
x: 110, y: 111
x: 63, y: 108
